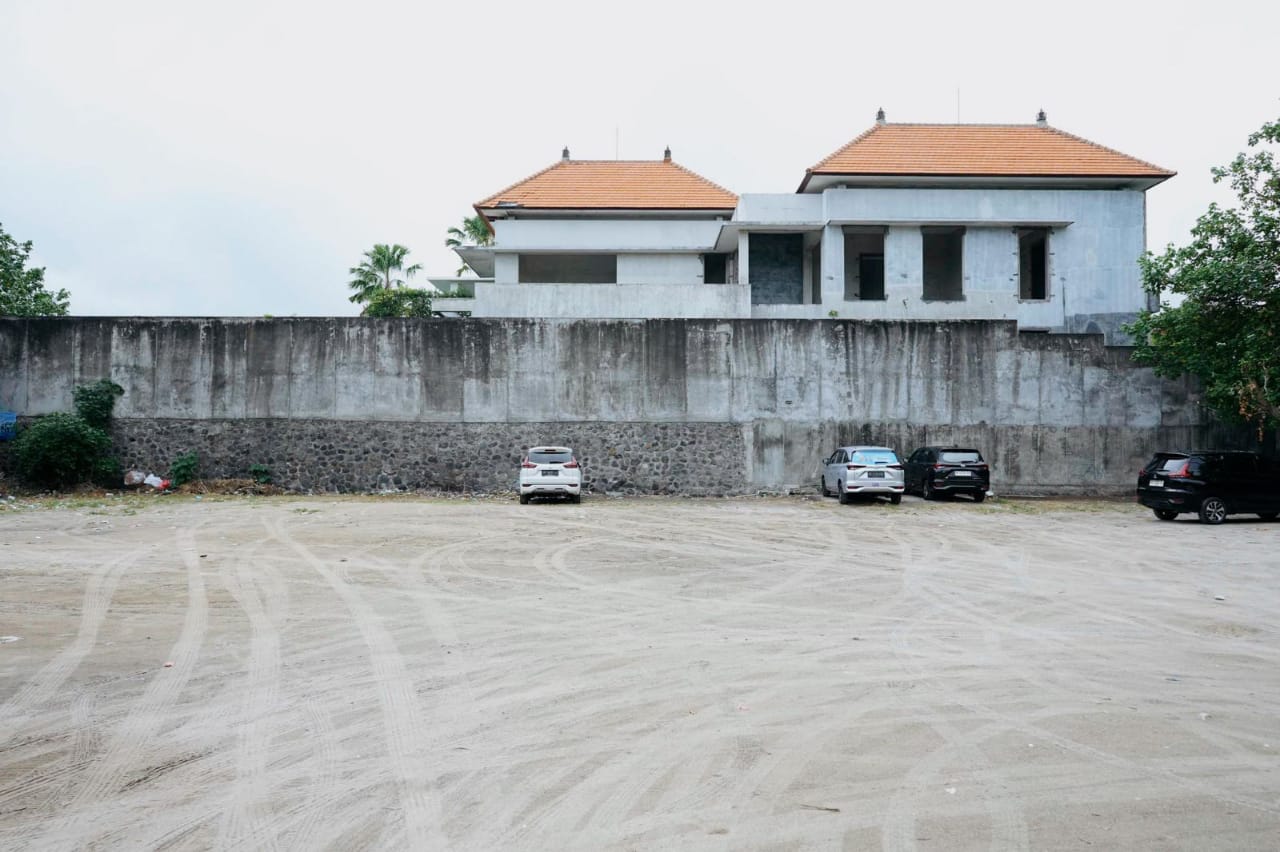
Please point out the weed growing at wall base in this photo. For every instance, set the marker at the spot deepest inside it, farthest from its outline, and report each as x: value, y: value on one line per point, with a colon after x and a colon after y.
x: 184, y: 469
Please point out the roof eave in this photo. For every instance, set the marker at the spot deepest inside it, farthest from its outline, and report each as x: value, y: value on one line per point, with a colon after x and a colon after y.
x: 1137, y: 181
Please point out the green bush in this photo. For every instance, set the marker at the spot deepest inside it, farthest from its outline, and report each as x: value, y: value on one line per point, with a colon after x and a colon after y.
x: 59, y: 450
x: 96, y: 402
x: 398, y: 302
x: 184, y: 469
x: 107, y: 472
x: 261, y: 474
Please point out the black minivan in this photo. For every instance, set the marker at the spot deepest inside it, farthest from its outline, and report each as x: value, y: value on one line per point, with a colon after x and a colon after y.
x: 1213, y: 484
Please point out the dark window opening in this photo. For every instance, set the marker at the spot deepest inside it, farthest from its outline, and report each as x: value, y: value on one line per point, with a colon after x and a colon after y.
x: 715, y: 268
x: 1033, y: 264
x: 775, y: 264
x: 568, y: 269
x: 864, y: 266
x: 943, y: 264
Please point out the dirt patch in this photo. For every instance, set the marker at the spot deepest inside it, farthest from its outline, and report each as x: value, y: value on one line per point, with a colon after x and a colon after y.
x: 207, y: 670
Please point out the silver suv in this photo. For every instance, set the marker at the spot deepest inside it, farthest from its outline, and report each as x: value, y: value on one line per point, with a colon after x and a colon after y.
x: 850, y: 471
x: 550, y: 472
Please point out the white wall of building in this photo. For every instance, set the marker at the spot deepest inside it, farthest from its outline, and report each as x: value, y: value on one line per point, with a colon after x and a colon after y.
x: 616, y: 235
x: 603, y: 301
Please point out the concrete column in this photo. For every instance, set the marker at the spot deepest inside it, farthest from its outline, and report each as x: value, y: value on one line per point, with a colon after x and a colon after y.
x: 744, y: 254
x: 832, y: 283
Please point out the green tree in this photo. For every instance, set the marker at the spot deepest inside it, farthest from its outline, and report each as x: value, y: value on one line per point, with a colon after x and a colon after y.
x: 400, y: 302
x: 474, y: 232
x: 1226, y: 329
x: 378, y: 271
x: 22, y: 291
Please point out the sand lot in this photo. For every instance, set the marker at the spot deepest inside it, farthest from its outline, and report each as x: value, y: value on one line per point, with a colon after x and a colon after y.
x: 768, y: 674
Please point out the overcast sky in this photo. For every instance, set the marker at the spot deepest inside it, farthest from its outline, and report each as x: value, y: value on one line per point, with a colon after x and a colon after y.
x: 236, y: 158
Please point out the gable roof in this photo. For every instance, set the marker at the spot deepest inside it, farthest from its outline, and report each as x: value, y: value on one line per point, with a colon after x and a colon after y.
x: 613, y: 185
x: 981, y: 150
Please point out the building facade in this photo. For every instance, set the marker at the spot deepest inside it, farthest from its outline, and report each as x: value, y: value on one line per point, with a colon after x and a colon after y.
x: 905, y: 222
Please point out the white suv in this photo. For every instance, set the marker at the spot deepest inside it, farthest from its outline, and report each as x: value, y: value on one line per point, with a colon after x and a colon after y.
x: 851, y: 471
x: 550, y: 472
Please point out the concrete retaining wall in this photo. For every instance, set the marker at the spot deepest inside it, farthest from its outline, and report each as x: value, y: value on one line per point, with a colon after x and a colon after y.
x: 653, y: 406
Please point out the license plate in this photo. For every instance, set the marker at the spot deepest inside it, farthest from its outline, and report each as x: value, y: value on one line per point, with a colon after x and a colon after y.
x: 1156, y: 483
x: 964, y: 473
x: 875, y: 474
x: 551, y: 473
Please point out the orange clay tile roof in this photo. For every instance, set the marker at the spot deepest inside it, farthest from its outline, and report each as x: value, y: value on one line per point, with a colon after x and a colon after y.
x: 614, y: 185
x: 986, y: 150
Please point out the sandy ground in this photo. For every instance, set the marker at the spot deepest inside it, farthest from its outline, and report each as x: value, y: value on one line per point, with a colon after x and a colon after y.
x: 767, y: 674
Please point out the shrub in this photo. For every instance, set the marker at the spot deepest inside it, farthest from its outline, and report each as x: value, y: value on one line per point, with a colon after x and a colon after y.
x: 398, y: 302
x: 107, y: 472
x: 59, y: 450
x: 261, y: 474
x: 95, y: 402
x: 184, y: 469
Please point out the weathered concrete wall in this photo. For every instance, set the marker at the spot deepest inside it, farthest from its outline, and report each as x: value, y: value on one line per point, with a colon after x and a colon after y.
x: 688, y: 406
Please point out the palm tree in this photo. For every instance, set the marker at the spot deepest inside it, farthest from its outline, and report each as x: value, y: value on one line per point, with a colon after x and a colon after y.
x: 378, y: 270
x: 474, y: 232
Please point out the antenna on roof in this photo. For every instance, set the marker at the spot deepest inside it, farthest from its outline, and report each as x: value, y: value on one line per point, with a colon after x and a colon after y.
x: 564, y: 155
x: 1042, y: 119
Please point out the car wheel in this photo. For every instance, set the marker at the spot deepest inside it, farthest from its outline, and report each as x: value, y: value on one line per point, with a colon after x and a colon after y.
x: 1269, y: 516
x: 926, y: 490
x: 979, y: 496
x: 895, y: 499
x: 1165, y: 514
x: 843, y: 495
x: 1213, y: 510
x: 524, y: 499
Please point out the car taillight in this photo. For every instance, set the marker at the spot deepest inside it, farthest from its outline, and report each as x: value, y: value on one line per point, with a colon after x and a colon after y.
x: 980, y: 466
x: 939, y: 467
x: 571, y: 464
x: 894, y: 466
x: 527, y: 463
x: 855, y: 466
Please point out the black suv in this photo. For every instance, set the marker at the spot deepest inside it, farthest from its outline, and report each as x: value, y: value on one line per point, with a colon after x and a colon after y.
x: 1213, y: 484
x: 932, y: 471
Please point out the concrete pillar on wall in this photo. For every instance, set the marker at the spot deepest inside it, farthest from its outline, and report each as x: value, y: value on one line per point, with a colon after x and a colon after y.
x: 744, y: 253
x: 903, y: 263
x: 832, y: 265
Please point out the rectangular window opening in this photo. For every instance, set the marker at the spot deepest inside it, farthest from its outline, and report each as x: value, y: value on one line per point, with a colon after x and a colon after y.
x: 568, y: 269
x: 943, y: 264
x: 864, y: 266
x: 776, y: 268
x: 715, y: 268
x: 1033, y: 264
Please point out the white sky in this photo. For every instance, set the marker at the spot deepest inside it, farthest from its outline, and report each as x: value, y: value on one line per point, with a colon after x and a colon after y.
x: 236, y: 158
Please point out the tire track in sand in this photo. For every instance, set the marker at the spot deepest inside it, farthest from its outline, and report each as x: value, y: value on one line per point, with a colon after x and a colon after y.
x: 148, y: 713
x: 246, y: 818
x: 403, y: 722
x: 44, y: 684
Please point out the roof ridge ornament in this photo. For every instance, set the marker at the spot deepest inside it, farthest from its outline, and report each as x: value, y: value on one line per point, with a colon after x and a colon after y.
x: 880, y: 116
x: 666, y: 155
x: 564, y: 155
x: 1042, y: 120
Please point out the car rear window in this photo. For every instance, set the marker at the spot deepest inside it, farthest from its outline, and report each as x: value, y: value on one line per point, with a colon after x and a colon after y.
x: 874, y: 457
x: 959, y: 456
x: 1175, y: 464
x: 545, y: 457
